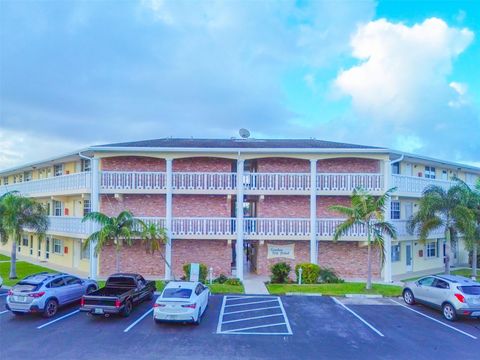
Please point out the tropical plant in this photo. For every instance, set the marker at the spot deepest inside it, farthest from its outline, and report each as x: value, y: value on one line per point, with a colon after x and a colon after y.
x: 154, y: 238
x: 280, y: 272
x: 367, y: 210
x: 18, y: 213
x: 329, y: 276
x: 310, y: 272
x: 119, y: 230
x: 440, y: 208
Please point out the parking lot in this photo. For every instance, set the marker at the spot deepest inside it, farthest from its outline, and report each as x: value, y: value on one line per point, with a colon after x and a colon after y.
x: 264, y: 327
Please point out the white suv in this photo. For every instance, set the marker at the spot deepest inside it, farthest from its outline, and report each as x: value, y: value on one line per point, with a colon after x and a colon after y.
x: 454, y: 295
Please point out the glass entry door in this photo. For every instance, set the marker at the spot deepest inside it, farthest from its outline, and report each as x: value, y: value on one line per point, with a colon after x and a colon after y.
x: 408, y: 257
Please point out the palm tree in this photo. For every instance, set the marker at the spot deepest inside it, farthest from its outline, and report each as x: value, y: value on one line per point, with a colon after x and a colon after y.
x: 153, y: 238
x: 16, y: 214
x: 369, y: 211
x: 440, y: 208
x: 118, y: 230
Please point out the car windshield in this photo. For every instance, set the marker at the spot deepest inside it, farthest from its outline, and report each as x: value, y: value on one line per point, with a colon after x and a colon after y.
x: 177, y: 293
x: 470, y: 290
x: 26, y: 287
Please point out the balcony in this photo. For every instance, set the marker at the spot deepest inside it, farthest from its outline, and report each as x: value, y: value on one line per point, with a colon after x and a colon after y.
x: 345, y: 183
x: 191, y: 182
x: 77, y: 183
x: 67, y: 226
x: 132, y: 182
x: 265, y: 183
x: 403, y: 234
x: 413, y: 186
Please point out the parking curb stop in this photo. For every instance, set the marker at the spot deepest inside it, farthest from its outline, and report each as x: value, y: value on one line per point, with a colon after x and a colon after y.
x: 364, y: 296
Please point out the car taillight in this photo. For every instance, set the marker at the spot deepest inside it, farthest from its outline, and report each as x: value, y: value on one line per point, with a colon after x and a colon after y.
x: 82, y: 301
x: 191, y: 306
x: 117, y: 303
x: 37, y: 295
x: 10, y: 292
x: 159, y: 305
x: 460, y: 298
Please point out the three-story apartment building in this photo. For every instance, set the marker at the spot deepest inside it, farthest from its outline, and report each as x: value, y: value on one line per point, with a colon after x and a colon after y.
x: 237, y: 205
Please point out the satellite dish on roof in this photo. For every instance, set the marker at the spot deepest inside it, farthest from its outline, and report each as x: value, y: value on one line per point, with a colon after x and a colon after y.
x: 244, y: 133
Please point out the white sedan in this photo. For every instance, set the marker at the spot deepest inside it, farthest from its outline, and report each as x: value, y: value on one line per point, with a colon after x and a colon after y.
x: 181, y: 301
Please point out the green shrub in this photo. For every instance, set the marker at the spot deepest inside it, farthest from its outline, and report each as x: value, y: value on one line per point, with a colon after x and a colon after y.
x: 310, y: 272
x: 202, y: 277
x: 221, y: 279
x: 233, y: 281
x: 280, y: 272
x: 329, y: 276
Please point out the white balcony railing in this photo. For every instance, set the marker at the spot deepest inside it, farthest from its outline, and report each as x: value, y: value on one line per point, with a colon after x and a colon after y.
x: 68, y: 225
x: 401, y: 227
x: 204, y: 181
x: 327, y: 227
x: 416, y: 185
x: 276, y: 227
x: 348, y: 181
x: 203, y: 226
x: 277, y: 181
x: 51, y: 185
x: 132, y: 180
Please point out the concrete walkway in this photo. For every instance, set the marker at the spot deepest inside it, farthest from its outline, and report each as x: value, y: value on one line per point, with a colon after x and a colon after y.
x: 255, y: 285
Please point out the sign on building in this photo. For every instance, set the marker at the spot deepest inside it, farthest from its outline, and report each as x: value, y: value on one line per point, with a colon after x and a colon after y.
x: 281, y: 251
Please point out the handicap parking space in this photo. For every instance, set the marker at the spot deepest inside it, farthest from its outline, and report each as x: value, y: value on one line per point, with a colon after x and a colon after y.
x: 253, y: 315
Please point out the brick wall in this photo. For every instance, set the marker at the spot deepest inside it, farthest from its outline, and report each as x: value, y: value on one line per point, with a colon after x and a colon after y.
x: 202, y: 164
x: 283, y: 165
x: 348, y: 165
x: 139, y: 205
x: 213, y: 253
x: 323, y: 202
x: 201, y: 206
x: 277, y: 206
x: 133, y: 163
x: 348, y: 259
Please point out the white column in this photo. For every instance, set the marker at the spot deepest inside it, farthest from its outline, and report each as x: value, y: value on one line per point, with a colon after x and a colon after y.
x: 94, y: 206
x: 239, y: 212
x: 313, y: 211
x: 168, y: 218
x: 387, y: 267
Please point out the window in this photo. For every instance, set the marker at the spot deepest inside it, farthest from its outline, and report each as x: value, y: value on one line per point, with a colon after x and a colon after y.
x: 58, y: 170
x: 395, y: 210
x: 57, y: 208
x: 25, y: 241
x: 441, y: 284
x: 27, y: 175
x: 72, y: 280
x: 396, y: 168
x: 85, y: 165
x: 58, y: 246
x: 86, y: 207
x: 31, y: 245
x: 5, y: 180
x: 396, y: 253
x: 444, y: 175
x: 56, y: 283
x: 178, y: 293
x: 44, y: 173
x: 39, y: 248
x: 17, y: 178
x: 431, y: 249
x: 429, y: 172
x: 428, y: 281
x: 85, y: 252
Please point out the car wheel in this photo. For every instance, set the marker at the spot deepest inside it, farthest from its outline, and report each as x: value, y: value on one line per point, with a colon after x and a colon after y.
x: 408, y: 297
x: 91, y: 289
x: 449, y: 312
x: 51, y: 308
x: 199, y: 317
x: 127, y: 309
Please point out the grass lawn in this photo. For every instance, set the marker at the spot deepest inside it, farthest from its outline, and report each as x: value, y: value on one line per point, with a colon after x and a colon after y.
x: 335, y: 289
x: 4, y: 257
x: 23, y: 269
x: 461, y: 272
x: 226, y: 289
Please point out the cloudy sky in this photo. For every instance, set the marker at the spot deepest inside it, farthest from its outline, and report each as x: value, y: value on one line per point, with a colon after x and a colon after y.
x: 404, y: 75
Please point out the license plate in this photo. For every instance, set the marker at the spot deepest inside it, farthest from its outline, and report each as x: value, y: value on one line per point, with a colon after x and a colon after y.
x: 476, y: 313
x: 171, y: 317
x: 20, y: 298
x: 98, y: 311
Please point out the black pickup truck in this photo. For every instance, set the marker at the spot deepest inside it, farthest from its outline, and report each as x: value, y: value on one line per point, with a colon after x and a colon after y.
x: 121, y: 292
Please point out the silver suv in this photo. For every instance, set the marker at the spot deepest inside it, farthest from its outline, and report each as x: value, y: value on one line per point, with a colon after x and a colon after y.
x: 454, y: 295
x: 46, y: 292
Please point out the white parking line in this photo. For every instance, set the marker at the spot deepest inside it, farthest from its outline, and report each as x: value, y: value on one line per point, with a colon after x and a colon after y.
x: 3, y: 312
x: 60, y: 318
x: 248, y: 297
x: 438, y: 321
x: 285, y: 316
x: 252, y: 318
x: 358, y: 317
x: 220, y: 317
x: 250, y: 303
x: 255, y: 327
x: 138, y: 320
x: 257, y: 309
x: 4, y: 294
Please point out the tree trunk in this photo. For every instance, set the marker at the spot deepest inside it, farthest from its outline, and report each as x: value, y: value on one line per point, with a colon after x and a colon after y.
x: 474, y: 260
x: 447, y: 252
x: 13, y: 258
x: 166, y: 262
x: 369, y: 261
x: 117, y: 260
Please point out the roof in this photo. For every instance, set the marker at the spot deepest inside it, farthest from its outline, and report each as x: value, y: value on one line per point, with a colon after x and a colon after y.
x: 457, y: 279
x: 237, y: 143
